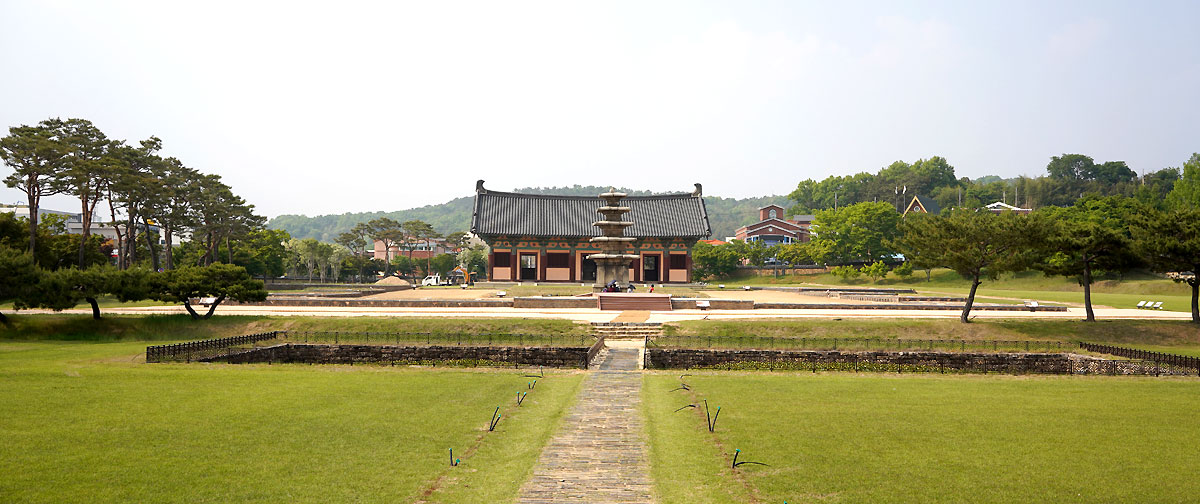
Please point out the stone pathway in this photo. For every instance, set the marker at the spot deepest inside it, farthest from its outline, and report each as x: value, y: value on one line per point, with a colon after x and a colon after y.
x: 599, y: 453
x: 632, y: 316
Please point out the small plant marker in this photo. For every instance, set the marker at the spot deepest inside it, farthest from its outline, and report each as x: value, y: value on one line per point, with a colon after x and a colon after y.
x: 495, y: 418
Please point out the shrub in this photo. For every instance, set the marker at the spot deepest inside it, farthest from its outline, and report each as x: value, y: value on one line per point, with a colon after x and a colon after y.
x: 876, y: 271
x: 845, y: 272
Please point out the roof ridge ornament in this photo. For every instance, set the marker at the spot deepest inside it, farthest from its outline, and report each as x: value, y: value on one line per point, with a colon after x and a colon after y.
x: 699, y: 190
x: 479, y: 186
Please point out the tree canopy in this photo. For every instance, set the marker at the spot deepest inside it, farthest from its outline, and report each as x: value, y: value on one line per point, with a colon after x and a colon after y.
x: 857, y: 233
x: 977, y: 245
x: 1170, y: 243
x: 218, y: 281
x: 1086, y: 239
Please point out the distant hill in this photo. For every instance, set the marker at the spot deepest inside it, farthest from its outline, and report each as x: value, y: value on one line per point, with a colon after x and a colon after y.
x: 724, y: 214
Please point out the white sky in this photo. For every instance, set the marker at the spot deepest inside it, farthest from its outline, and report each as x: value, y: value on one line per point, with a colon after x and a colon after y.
x: 338, y: 106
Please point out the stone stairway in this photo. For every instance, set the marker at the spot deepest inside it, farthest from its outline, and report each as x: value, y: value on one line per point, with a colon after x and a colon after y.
x: 626, y: 330
x: 599, y: 453
x: 634, y: 301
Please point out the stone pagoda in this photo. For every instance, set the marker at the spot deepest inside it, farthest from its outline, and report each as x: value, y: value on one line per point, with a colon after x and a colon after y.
x: 612, y: 263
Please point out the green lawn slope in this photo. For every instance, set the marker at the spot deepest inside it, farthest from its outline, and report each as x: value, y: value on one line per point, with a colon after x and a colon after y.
x: 87, y: 422
x: 1029, y: 285
x: 924, y: 439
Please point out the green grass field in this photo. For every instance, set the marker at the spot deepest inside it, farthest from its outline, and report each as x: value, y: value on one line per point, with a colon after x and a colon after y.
x: 181, y: 327
x: 871, y: 438
x: 1117, y: 293
x: 86, y: 422
x: 1159, y: 335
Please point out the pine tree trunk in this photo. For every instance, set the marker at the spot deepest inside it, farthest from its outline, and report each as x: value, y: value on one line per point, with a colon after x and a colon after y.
x: 86, y: 219
x: 187, y: 304
x: 150, y: 244
x: 95, y: 308
x: 169, y: 249
x: 1195, y: 296
x: 33, y: 223
x: 213, y: 307
x: 131, y: 241
x: 1087, y: 292
x: 970, y: 301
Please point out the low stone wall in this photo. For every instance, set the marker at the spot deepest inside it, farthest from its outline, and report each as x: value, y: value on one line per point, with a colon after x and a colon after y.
x: 303, y: 285
x: 713, y: 304
x: 931, y: 299
x: 389, y: 303
x: 902, y: 306
x: 1016, y: 363
x: 822, y: 290
x: 555, y: 302
x: 562, y: 357
x: 590, y: 302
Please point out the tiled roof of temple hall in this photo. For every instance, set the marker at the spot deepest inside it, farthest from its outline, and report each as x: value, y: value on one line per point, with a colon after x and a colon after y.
x: 659, y: 216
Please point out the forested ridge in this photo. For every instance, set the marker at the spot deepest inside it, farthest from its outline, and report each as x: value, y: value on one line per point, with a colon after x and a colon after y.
x: 724, y: 214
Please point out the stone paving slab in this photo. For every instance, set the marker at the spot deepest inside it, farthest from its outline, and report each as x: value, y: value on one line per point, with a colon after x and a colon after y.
x: 599, y: 454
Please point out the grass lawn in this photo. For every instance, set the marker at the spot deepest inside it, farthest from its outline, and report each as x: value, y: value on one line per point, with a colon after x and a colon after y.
x: 104, y: 302
x: 181, y: 327
x: 1026, y: 285
x: 87, y: 422
x: 884, y: 438
x: 1170, y: 302
x: 1160, y: 335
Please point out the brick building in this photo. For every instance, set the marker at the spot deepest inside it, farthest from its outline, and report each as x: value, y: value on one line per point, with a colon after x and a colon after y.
x: 774, y: 228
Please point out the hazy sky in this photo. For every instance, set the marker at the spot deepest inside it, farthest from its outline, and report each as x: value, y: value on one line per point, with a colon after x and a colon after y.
x: 338, y: 106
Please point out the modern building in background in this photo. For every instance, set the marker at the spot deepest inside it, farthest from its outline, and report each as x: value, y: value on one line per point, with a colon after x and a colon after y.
x: 1001, y: 206
x: 774, y: 228
x: 922, y: 204
x: 425, y: 249
x: 74, y: 223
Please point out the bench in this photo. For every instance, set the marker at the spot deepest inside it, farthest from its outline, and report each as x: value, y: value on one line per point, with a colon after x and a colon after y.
x: 1032, y: 305
x: 1142, y: 304
x: 703, y: 305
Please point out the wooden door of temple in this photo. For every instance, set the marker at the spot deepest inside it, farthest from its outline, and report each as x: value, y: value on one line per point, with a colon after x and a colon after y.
x: 588, y: 273
x: 650, y: 268
x: 528, y: 266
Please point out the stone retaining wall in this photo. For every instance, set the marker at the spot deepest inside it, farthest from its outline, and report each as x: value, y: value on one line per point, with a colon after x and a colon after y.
x: 563, y: 357
x: 833, y: 306
x: 713, y: 304
x: 1017, y: 363
x: 389, y: 303
x: 555, y: 302
x: 590, y: 302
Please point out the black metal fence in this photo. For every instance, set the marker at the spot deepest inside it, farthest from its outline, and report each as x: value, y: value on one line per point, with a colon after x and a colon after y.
x: 208, y: 349
x: 852, y: 344
x: 428, y: 338
x: 1145, y: 355
x: 203, y: 349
